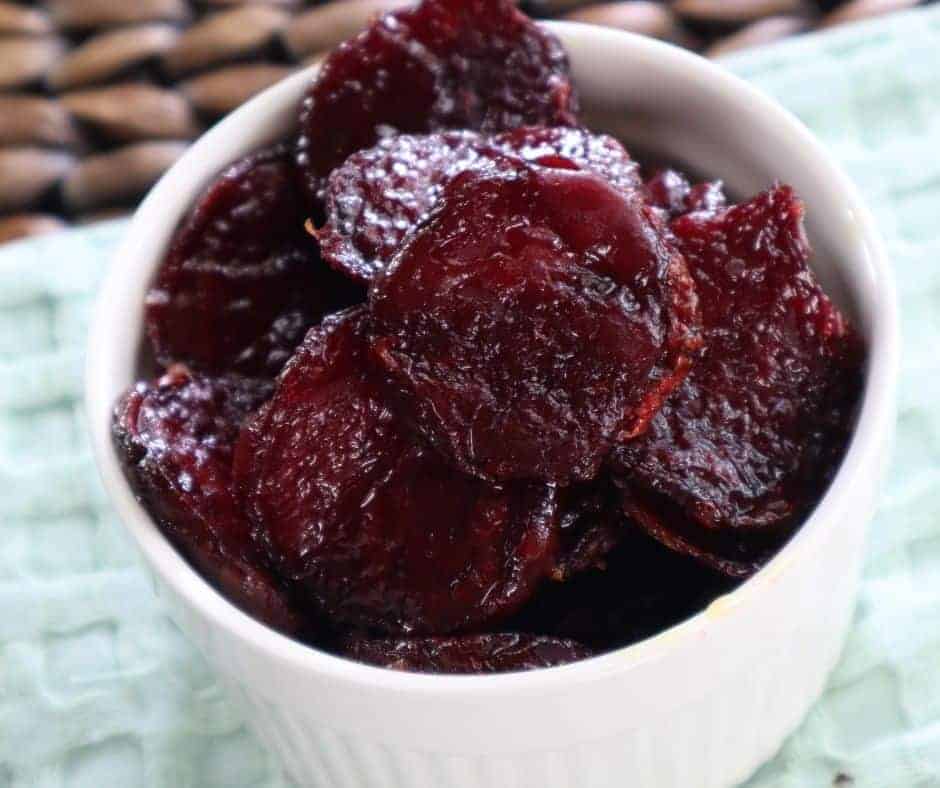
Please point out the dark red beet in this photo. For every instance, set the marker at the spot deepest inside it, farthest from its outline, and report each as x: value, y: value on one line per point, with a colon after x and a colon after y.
x: 241, y: 283
x: 486, y: 653
x: 643, y: 590
x: 378, y: 530
x: 745, y: 446
x: 378, y: 195
x: 573, y: 148
x: 175, y: 439
x: 672, y: 191
x: 731, y: 552
x: 592, y: 525
x: 538, y: 317
x: 446, y: 64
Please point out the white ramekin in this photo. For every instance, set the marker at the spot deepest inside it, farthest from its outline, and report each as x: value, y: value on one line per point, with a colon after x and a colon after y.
x: 702, y: 704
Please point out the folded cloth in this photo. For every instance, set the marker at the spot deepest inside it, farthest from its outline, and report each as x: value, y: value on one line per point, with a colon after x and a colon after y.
x: 98, y: 688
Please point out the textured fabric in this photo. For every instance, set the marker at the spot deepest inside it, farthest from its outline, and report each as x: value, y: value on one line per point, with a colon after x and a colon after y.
x: 98, y: 688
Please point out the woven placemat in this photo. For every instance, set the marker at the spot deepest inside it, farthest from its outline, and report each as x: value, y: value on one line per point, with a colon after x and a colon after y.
x: 99, y: 97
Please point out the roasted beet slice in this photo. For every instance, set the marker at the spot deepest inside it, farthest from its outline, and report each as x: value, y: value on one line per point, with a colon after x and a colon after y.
x: 674, y: 193
x: 175, y: 439
x: 745, y: 446
x: 643, y: 589
x: 446, y: 64
x: 379, y: 531
x: 538, y: 317
x: 485, y: 653
x: 592, y: 525
x: 242, y: 282
x: 573, y: 148
x: 731, y: 552
x: 378, y: 195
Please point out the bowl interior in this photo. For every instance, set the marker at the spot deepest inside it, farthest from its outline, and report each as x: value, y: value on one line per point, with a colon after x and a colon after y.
x: 652, y: 96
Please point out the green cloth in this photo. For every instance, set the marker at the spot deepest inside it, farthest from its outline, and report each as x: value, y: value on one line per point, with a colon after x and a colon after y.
x: 98, y: 688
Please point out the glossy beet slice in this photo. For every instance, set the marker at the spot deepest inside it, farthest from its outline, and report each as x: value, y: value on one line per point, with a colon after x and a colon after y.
x: 676, y: 195
x: 175, y: 439
x: 573, y: 148
x: 538, y: 317
x: 643, y: 589
x: 241, y: 282
x: 592, y: 526
x: 446, y: 64
x: 485, y: 653
x: 745, y: 446
x: 733, y: 553
x: 378, y: 195
x: 377, y: 529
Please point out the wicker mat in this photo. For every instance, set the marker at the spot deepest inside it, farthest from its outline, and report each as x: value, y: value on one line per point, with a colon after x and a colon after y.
x: 99, y: 97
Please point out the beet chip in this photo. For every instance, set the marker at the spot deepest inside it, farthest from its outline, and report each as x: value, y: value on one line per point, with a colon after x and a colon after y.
x: 175, y: 439
x: 537, y: 318
x: 567, y: 148
x: 446, y: 64
x: 378, y: 195
x: 240, y: 284
x: 378, y: 530
x: 592, y: 525
x: 486, y: 653
x: 672, y: 191
x: 744, y: 447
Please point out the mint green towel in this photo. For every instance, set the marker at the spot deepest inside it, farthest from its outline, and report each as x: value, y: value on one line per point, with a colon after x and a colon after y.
x: 97, y: 687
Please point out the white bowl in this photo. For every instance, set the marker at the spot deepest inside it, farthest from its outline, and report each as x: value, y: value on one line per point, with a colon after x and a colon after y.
x: 702, y: 704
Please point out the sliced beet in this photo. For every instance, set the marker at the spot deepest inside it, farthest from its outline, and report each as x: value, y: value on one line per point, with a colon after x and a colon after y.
x: 592, y: 525
x: 175, y: 439
x: 537, y: 318
x: 673, y: 192
x: 445, y: 64
x: 380, y: 194
x: 378, y: 530
x: 242, y: 281
x: 745, y: 446
x: 573, y: 148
